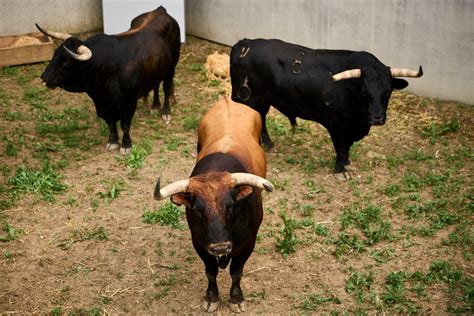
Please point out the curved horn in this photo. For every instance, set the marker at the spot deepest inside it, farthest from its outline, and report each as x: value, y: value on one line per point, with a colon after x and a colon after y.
x: 403, y: 72
x: 56, y: 35
x: 348, y: 74
x: 84, y: 53
x: 251, y: 179
x: 170, y: 189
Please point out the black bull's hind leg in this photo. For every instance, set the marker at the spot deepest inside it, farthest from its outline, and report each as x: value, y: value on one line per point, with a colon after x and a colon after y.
x: 168, y: 90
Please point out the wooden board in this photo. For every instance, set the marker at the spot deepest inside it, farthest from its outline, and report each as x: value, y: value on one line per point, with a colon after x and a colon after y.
x: 25, y: 49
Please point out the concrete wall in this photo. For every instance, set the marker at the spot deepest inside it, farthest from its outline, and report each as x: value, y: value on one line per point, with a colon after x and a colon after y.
x: 437, y: 34
x: 70, y: 16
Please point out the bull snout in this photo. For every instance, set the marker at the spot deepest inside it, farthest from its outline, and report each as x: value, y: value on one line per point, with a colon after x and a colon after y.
x: 379, y: 120
x: 220, y: 249
x: 47, y: 81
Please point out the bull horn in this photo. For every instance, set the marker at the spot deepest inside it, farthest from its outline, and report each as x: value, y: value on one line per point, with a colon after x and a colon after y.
x: 348, y: 74
x: 56, y: 35
x: 403, y: 72
x: 253, y: 180
x: 84, y: 53
x: 170, y: 189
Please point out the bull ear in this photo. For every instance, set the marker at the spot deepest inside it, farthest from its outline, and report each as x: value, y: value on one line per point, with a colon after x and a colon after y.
x: 242, y: 191
x: 181, y: 198
x: 399, y: 83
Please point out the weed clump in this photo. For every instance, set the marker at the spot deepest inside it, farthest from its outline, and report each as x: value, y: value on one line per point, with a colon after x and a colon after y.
x: 45, y: 182
x: 167, y: 215
x: 286, y: 244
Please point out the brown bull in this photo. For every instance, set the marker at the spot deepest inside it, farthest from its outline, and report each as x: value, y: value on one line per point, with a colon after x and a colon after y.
x: 223, y: 194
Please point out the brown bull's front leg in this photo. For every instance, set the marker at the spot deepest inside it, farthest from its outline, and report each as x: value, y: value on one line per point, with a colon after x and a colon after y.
x: 237, y: 303
x: 211, y: 299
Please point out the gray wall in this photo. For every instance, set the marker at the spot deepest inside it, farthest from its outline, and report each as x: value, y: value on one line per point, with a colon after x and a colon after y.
x: 437, y: 34
x: 70, y: 16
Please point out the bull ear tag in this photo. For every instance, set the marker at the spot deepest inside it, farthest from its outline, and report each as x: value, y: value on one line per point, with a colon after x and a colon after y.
x: 242, y: 191
x: 181, y: 198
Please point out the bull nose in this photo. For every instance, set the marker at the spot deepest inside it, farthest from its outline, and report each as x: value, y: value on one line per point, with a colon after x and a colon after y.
x: 220, y: 249
x: 377, y: 121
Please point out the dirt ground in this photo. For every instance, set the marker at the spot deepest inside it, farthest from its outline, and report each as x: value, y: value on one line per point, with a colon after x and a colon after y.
x: 86, y: 253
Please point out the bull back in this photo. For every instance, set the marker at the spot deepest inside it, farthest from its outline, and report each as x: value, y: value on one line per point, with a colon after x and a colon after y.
x: 232, y: 128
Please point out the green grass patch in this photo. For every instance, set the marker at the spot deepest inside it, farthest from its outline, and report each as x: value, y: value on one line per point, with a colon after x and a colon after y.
x: 45, y: 182
x: 360, y: 284
x: 10, y: 71
x: 167, y: 214
x: 191, y: 123
x: 137, y: 157
x: 462, y: 237
x: 314, y: 301
x: 348, y: 244
x: 395, y: 291
x: 11, y: 233
x: 287, y: 241
x: 369, y: 221
x: 112, y: 191
x: 434, y: 131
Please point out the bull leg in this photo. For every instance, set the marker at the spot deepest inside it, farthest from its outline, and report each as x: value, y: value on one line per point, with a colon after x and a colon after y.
x: 211, y: 300
x: 156, y: 98
x: 125, y: 124
x: 266, y: 141
x: 168, y: 89
x: 112, y: 143
x: 293, y: 124
x: 342, y: 147
x: 237, y: 303
x: 145, y: 103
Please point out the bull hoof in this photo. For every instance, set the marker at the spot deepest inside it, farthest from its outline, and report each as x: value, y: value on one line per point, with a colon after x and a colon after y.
x: 238, y: 308
x: 111, y: 146
x: 342, y: 176
x: 166, y: 118
x: 125, y: 151
x: 210, y: 306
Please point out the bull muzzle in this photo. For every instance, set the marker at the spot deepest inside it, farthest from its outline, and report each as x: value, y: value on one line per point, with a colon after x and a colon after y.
x: 377, y: 120
x: 220, y: 249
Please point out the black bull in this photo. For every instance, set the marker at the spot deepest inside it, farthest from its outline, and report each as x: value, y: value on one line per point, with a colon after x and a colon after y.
x: 345, y: 91
x: 116, y: 70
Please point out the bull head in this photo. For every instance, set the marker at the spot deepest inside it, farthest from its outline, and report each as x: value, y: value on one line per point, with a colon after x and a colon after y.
x: 375, y: 87
x: 212, y: 202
